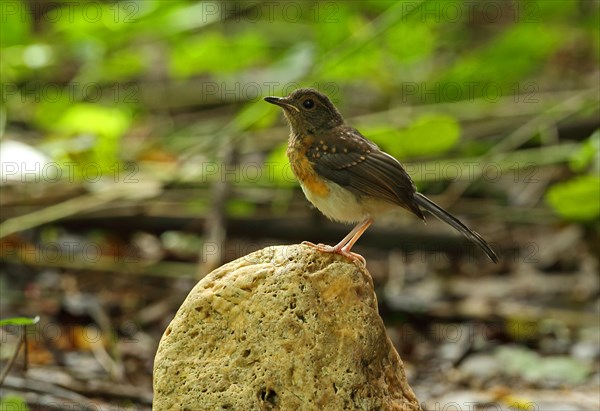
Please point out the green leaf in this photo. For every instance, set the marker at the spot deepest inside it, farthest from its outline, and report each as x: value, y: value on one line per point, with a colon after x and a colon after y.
x: 106, y: 124
x: 577, y: 199
x: 13, y: 402
x: 430, y: 134
x: 94, y: 119
x: 20, y: 321
x: 587, y: 154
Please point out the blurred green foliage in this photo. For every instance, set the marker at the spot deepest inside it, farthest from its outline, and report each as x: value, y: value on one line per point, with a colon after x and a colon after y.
x: 588, y: 156
x: 280, y: 172
x: 84, y: 76
x: 523, y: 363
x: 576, y: 199
x: 19, y: 321
x: 13, y: 402
x: 428, y: 135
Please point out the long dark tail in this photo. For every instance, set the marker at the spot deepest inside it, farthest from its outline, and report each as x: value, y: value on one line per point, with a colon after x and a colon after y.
x: 447, y: 218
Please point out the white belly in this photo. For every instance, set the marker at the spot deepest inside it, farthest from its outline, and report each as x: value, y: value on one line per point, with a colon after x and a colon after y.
x: 343, y: 206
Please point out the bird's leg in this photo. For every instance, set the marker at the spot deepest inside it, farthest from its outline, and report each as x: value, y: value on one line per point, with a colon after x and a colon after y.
x: 344, y: 246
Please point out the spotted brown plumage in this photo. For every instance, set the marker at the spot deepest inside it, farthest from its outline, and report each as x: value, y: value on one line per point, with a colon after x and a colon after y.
x: 358, y: 165
x: 346, y: 176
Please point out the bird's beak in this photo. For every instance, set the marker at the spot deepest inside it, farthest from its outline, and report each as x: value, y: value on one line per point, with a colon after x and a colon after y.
x: 281, y: 102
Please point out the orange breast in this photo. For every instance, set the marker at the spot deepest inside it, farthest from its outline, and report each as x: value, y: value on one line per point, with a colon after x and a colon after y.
x: 305, y: 172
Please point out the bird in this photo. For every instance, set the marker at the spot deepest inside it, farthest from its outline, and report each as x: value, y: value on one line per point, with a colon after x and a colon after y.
x: 346, y: 176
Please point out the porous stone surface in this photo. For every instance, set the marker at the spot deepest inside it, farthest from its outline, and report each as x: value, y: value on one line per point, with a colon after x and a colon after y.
x: 284, y: 328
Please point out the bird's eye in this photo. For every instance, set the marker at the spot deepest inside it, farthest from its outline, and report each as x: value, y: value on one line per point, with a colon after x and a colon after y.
x: 308, y: 104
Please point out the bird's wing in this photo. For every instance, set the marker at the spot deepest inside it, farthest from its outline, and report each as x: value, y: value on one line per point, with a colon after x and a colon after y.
x: 350, y: 160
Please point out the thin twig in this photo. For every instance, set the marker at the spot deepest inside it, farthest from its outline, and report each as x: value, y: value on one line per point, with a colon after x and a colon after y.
x: 216, y: 232
x: 13, y: 358
x: 25, y: 350
x: 58, y: 211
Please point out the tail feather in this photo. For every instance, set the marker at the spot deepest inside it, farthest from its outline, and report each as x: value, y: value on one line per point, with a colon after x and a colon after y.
x: 449, y: 219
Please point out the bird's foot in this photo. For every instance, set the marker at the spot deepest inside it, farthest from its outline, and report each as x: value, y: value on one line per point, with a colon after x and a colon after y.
x: 320, y: 246
x: 357, y: 258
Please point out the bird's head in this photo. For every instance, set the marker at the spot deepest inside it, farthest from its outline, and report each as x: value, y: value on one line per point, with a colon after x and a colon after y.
x: 308, y: 111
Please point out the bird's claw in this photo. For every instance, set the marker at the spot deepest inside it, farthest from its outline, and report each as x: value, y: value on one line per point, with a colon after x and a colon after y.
x: 335, y: 250
x: 320, y: 246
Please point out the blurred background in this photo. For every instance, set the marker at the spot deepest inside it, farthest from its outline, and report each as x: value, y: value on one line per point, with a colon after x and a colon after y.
x: 137, y: 155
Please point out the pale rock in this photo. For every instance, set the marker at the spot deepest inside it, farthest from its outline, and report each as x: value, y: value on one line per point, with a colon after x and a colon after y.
x: 284, y: 328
